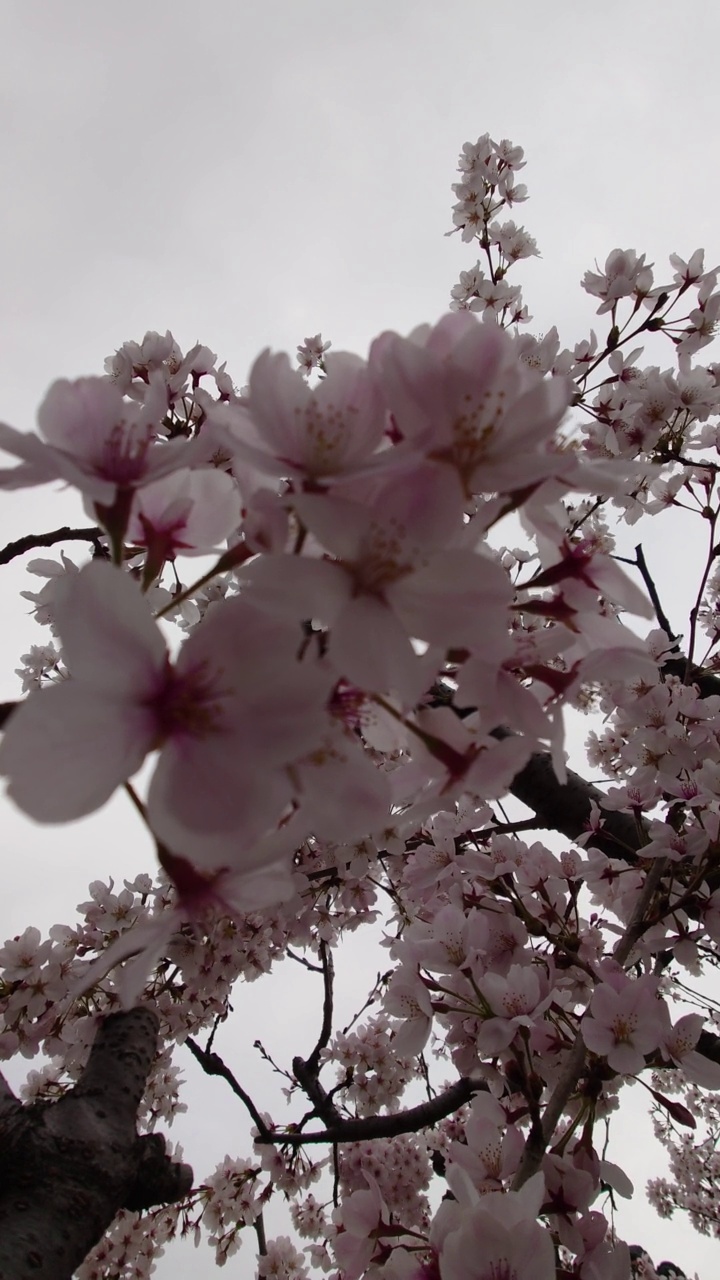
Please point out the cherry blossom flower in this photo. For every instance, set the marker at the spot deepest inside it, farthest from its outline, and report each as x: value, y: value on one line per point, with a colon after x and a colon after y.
x: 495, y: 1235
x: 228, y: 717
x: 678, y: 1046
x: 397, y: 577
x: 312, y: 435
x: 625, y: 1022
x: 310, y: 353
x: 95, y: 440
x: 185, y: 513
x: 624, y: 275
x: 407, y: 997
x: 461, y: 395
x: 491, y: 1151
x: 362, y: 1215
x: 516, y: 1000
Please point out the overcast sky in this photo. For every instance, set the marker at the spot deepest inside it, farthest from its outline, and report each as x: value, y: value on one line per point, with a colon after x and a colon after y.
x: 248, y: 172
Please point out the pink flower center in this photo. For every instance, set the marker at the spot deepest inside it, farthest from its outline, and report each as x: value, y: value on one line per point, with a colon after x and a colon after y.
x: 623, y: 1028
x: 189, y: 704
x: 500, y: 1270
x: 122, y: 458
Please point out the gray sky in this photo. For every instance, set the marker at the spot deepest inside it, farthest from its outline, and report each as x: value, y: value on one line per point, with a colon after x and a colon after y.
x: 247, y: 172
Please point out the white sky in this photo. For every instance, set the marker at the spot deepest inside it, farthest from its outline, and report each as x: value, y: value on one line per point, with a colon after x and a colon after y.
x: 246, y: 173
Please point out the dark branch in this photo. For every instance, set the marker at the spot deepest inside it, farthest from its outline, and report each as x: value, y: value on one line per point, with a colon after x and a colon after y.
x: 652, y: 591
x: 366, y: 1128
x: 33, y: 540
x: 213, y: 1065
x: 566, y: 807
x: 328, y: 971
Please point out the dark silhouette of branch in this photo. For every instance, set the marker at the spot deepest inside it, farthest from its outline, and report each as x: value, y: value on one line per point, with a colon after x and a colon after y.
x: 307, y: 1070
x: 328, y: 971
x: 566, y: 807
x: 34, y: 540
x: 652, y: 591
x: 68, y: 1167
x: 213, y: 1065
x: 365, y: 1128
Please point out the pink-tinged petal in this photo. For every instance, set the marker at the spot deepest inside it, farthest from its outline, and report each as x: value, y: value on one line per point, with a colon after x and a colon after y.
x: 410, y: 1039
x: 456, y: 599
x: 498, y: 1237
x: 346, y: 794
x: 109, y: 638
x: 338, y: 524
x: 370, y: 648
x: 494, y: 1036
x: 187, y: 512
x: 79, y: 416
x: 216, y: 509
x: 214, y: 785
x: 327, y: 431
x: 39, y: 460
x: 598, y: 1038
x: 236, y: 848
x: 295, y: 587
x: 266, y: 695
x: 143, y: 945
x: 67, y: 748
x: 43, y: 464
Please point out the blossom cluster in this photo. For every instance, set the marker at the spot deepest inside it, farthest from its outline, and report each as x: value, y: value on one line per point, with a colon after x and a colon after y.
x: 333, y: 712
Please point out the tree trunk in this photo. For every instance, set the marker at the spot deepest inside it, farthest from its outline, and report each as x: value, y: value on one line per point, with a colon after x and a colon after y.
x: 68, y: 1167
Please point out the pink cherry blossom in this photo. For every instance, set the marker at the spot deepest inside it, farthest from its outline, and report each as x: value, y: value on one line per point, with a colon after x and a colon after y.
x: 311, y: 435
x: 462, y: 396
x: 185, y: 513
x: 515, y: 1001
x: 624, y: 1023
x: 400, y: 574
x: 496, y: 1236
x: 95, y: 440
x: 236, y: 708
x: 678, y: 1045
x: 362, y: 1214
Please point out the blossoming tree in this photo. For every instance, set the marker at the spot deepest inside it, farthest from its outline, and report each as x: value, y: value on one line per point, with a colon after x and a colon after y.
x: 411, y: 566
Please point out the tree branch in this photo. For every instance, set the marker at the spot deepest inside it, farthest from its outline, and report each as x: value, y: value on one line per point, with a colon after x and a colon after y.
x: 33, y: 540
x: 365, y: 1128
x: 213, y: 1065
x: 328, y: 971
x: 652, y: 591
x: 566, y: 807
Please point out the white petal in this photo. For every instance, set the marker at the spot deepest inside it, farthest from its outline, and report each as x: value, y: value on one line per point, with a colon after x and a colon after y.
x: 66, y: 749
x: 109, y: 638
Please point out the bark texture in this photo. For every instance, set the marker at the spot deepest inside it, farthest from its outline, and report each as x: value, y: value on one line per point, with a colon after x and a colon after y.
x: 68, y: 1167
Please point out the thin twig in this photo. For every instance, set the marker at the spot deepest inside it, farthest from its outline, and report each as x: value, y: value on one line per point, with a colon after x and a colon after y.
x: 652, y: 591
x: 306, y: 964
x: 213, y: 1065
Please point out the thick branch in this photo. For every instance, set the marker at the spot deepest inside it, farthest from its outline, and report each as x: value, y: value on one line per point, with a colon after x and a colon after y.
x: 68, y: 1167
x: 566, y: 807
x: 368, y: 1127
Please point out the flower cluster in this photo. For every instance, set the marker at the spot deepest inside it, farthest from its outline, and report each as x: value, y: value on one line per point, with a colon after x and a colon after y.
x: 330, y: 716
